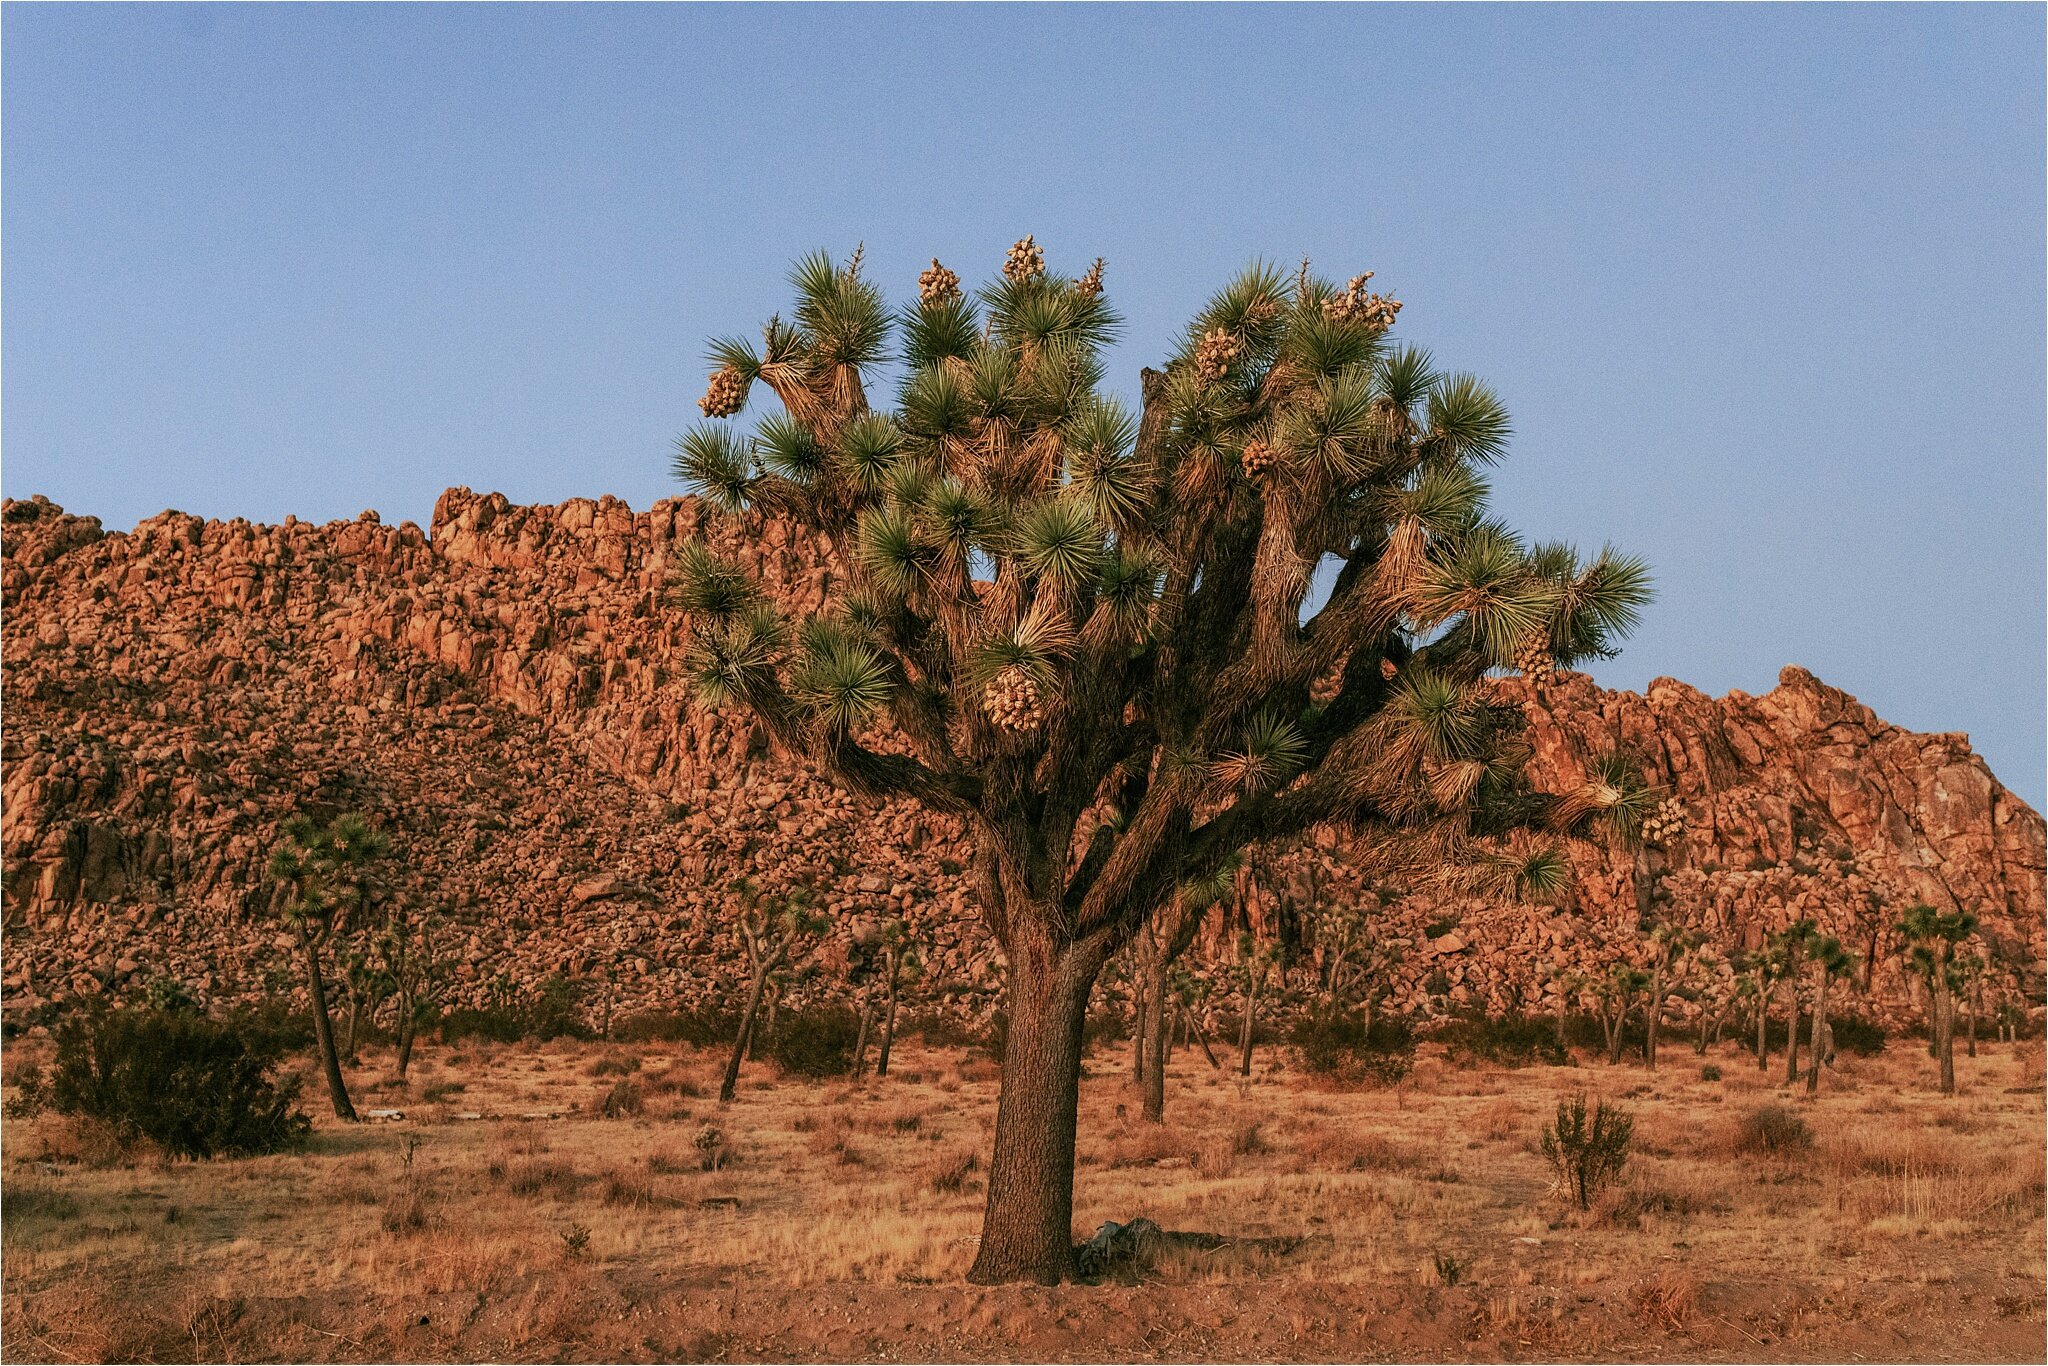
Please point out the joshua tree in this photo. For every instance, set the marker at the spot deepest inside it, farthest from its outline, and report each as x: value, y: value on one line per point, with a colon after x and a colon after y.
x: 900, y: 962
x: 1092, y: 635
x: 1615, y: 994
x: 1767, y: 968
x: 1670, y: 946
x: 1159, y: 946
x: 1257, y: 964
x: 1830, y: 960
x: 416, y: 962
x: 1792, y: 942
x: 1931, y: 938
x: 771, y: 927
x: 325, y: 875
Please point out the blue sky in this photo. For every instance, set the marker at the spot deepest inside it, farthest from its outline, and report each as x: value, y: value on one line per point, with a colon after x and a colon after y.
x: 1762, y: 285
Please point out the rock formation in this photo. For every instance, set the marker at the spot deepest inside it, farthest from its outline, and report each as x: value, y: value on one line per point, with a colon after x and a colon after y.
x: 500, y: 692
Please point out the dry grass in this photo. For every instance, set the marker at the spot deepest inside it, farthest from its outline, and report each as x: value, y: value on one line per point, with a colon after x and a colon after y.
x: 726, y: 1232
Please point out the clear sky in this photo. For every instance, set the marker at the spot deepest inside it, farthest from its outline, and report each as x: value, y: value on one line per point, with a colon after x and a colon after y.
x: 1762, y: 285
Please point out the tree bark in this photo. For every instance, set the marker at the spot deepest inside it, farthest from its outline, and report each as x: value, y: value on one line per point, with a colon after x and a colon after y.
x: 860, y: 1040
x: 888, y: 1020
x: 1653, y: 1012
x: 1792, y: 1026
x: 407, y: 1027
x: 1970, y: 1016
x: 728, y: 1088
x: 1820, y: 1016
x: 1027, y: 1230
x: 1251, y: 1007
x: 1945, y: 1037
x: 1763, y: 1028
x: 323, y: 1031
x: 1158, y: 1026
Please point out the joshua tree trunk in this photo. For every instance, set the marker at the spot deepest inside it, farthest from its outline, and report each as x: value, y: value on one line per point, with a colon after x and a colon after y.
x: 1139, y: 1033
x: 1652, y: 1014
x: 1560, y: 1020
x: 1970, y: 1016
x: 728, y: 1088
x: 1791, y: 1027
x: 408, y: 1026
x: 1027, y: 1232
x: 1945, y: 1037
x: 1201, y: 1036
x: 355, y: 1016
x: 323, y: 1031
x: 1244, y: 1043
x: 1820, y: 1024
x: 860, y: 1041
x: 1763, y: 1036
x: 889, y: 1018
x: 1158, y: 1028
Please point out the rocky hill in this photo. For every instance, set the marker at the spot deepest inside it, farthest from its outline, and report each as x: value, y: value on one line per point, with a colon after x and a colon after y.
x: 500, y: 692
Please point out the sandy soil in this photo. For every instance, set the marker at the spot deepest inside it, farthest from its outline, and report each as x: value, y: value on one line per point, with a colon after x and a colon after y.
x: 836, y: 1220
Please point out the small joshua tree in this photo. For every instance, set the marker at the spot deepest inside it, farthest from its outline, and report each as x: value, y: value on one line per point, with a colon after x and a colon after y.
x: 1931, y: 939
x: 901, y: 965
x: 325, y: 876
x: 1587, y: 1150
x: 1670, y: 948
x: 1258, y: 964
x: 1791, y: 942
x: 771, y: 928
x: 1830, y: 960
x: 1089, y: 634
x: 415, y: 959
x: 1615, y: 994
x: 1767, y: 967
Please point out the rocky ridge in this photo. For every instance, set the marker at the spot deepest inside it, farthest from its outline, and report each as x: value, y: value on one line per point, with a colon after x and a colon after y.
x: 500, y: 692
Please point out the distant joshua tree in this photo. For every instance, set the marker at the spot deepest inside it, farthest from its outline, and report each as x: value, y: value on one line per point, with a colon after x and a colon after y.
x: 326, y: 879
x: 771, y: 927
x: 1121, y: 647
x: 1932, y: 939
x: 1830, y: 960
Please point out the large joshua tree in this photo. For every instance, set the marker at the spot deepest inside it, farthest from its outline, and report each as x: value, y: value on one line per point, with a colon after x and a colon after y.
x: 1121, y: 644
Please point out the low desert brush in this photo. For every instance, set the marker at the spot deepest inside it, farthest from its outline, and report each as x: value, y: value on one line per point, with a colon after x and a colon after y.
x: 1588, y: 1149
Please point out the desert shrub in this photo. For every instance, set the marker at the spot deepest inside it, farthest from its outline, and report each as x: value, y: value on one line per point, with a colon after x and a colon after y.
x: 1772, y: 1129
x: 939, y: 1030
x: 713, y: 1152
x: 703, y: 1027
x: 1588, y: 1149
x: 1504, y: 1041
x: 1710, y: 1072
x: 498, y: 1024
x: 624, y: 1100
x: 1105, y: 1027
x: 194, y: 1086
x: 615, y: 1065
x: 1341, y: 1047
x: 948, y: 1174
x: 815, y: 1043
x: 272, y: 1026
x: 1854, y: 1034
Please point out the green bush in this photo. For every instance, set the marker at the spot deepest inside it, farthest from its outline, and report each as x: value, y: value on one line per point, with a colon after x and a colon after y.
x: 814, y: 1043
x: 1587, y: 1150
x: 1340, y: 1046
x: 1504, y: 1041
x: 194, y: 1086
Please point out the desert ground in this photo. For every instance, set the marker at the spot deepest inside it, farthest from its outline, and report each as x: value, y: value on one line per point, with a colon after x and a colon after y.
x: 507, y: 1216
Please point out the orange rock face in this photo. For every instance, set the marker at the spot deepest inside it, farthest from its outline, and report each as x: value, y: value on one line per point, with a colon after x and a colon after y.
x: 501, y: 693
